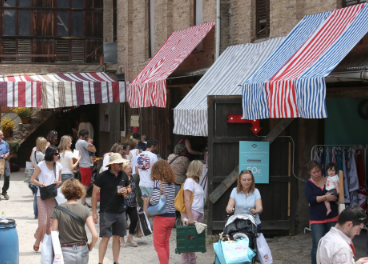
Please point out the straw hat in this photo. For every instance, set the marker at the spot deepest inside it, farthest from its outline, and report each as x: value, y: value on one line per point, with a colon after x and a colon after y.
x: 116, y: 158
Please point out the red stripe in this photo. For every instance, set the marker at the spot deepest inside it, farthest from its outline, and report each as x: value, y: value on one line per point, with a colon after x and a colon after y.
x: 315, y: 47
x: 39, y: 94
x: 311, y: 222
x: 97, y: 91
x: 21, y: 94
x: 62, y: 76
x: 95, y: 75
x: 115, y: 92
x: 29, y: 79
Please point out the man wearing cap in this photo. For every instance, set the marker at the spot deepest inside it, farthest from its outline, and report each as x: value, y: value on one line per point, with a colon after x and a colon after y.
x: 112, y: 205
x: 337, y: 246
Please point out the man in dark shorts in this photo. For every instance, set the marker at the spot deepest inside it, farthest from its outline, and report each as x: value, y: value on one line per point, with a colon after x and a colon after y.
x: 112, y: 205
x: 85, y: 161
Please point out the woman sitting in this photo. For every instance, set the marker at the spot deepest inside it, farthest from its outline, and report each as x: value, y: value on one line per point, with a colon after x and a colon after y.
x: 72, y: 234
x: 245, y: 198
x: 194, y: 210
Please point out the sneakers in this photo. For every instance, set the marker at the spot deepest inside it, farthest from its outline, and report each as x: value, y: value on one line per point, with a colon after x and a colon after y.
x: 6, y: 196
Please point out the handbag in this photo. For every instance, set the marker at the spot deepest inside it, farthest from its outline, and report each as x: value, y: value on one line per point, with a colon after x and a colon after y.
x: 237, y: 252
x: 219, y: 254
x: 47, y: 254
x: 179, y: 200
x: 49, y: 191
x: 160, y: 207
x: 144, y: 224
x: 263, y: 250
x: 2, y: 166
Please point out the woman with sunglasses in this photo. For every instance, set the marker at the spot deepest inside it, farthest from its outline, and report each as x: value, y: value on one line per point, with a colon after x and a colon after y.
x: 246, y: 198
x: 48, y: 172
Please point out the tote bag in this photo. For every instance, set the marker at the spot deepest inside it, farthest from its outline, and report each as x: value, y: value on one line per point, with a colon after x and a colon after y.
x: 179, y: 200
x: 160, y: 207
x: 263, y: 250
x: 237, y: 252
x: 47, y: 254
x: 219, y: 255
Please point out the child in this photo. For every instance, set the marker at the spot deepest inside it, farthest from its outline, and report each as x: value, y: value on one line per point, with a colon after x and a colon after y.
x: 332, y: 183
x: 91, y: 154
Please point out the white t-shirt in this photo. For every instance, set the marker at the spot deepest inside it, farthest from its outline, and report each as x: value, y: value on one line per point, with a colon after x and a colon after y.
x: 133, y: 161
x: 145, y: 161
x: 330, y: 182
x: 198, y: 199
x: 64, y: 161
x: 106, y: 160
x: 48, y: 176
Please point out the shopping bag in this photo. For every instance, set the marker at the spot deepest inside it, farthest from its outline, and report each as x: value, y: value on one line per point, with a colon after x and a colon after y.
x: 58, y: 255
x: 144, y: 224
x: 2, y: 166
x: 60, y: 198
x: 219, y: 255
x: 237, y: 252
x: 263, y: 251
x: 47, y: 252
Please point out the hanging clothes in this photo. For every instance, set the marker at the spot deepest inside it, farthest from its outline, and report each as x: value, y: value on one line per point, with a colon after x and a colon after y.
x: 354, y: 198
x: 327, y: 159
x: 317, y: 156
x: 339, y: 160
x: 334, y: 152
x: 362, y: 193
x: 352, y: 171
x: 346, y: 182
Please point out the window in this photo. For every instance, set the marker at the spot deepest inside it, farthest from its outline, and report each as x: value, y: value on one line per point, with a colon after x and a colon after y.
x: 346, y: 3
x: 262, y: 18
x: 151, y: 28
x: 115, y: 21
x: 51, y: 31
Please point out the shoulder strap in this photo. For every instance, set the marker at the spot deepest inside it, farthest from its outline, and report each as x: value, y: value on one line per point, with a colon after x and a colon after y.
x: 55, y: 170
x: 174, y: 159
x: 70, y: 213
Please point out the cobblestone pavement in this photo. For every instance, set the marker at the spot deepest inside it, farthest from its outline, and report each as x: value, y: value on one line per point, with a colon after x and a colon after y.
x: 289, y: 249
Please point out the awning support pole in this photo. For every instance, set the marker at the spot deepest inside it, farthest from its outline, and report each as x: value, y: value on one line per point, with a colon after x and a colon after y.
x: 218, y: 28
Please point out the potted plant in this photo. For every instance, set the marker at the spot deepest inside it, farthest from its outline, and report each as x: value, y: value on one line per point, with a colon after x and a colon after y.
x: 24, y: 113
x: 7, y: 126
x: 14, y: 147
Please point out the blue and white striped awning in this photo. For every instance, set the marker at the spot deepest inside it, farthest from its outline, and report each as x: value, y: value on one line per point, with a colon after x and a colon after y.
x: 291, y: 82
x: 224, y: 77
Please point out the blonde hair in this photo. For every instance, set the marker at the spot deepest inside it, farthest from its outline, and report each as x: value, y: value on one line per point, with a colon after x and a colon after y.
x: 195, y: 169
x: 63, y: 146
x: 239, y: 187
x: 125, y: 164
x: 41, y: 144
x: 132, y: 143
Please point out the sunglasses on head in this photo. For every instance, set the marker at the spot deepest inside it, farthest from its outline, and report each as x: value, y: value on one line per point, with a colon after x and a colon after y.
x: 247, y: 171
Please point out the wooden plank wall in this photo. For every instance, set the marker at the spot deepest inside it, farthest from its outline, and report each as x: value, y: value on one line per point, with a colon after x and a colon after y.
x: 223, y: 144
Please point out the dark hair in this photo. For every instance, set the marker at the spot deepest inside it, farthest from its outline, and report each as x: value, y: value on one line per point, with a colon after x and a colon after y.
x: 312, y: 164
x: 353, y: 213
x: 125, y: 145
x: 331, y: 166
x: 83, y: 133
x: 152, y: 142
x: 49, y: 153
x: 50, y: 137
x: 136, y: 136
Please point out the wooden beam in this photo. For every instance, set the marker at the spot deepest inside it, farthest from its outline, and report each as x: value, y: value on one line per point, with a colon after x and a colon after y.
x: 233, y: 176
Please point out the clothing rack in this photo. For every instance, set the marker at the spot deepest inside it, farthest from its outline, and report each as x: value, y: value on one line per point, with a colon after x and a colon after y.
x: 363, y: 147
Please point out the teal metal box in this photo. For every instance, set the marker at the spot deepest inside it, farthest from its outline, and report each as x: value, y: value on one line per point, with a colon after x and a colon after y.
x: 188, y: 240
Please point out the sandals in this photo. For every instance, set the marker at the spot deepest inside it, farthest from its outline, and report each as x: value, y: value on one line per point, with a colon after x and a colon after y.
x: 35, y: 248
x: 123, y: 245
x: 132, y: 243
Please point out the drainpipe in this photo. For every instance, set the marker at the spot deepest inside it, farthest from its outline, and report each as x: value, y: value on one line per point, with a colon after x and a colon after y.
x: 217, y: 29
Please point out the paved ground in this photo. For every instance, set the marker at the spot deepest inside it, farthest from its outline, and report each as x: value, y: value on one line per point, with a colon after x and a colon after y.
x: 293, y: 249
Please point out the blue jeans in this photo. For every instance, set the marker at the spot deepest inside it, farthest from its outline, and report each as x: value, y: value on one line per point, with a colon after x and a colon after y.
x: 259, y: 228
x: 65, y: 177
x: 35, y: 209
x: 318, y: 231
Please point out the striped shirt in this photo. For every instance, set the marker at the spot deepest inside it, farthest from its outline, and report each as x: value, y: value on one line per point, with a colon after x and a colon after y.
x: 169, y: 191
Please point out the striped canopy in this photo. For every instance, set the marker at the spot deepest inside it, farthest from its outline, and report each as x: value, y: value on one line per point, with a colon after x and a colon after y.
x: 60, y: 90
x: 291, y: 82
x: 149, y: 87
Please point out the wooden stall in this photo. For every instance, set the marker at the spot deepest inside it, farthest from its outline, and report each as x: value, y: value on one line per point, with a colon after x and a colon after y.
x: 279, y: 196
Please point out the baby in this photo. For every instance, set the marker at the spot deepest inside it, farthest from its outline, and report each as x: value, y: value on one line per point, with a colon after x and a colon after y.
x: 332, y: 183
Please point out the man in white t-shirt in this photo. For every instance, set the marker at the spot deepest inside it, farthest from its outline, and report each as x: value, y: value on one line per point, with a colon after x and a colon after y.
x: 145, y: 161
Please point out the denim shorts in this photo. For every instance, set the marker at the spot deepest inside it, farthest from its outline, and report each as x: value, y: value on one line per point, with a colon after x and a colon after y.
x: 75, y: 254
x: 146, y: 190
x: 65, y: 177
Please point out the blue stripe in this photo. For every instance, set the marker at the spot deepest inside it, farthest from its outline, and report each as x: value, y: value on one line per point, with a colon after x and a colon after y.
x: 258, y: 107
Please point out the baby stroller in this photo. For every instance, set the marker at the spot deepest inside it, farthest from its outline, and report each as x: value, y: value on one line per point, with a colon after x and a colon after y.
x: 242, y: 225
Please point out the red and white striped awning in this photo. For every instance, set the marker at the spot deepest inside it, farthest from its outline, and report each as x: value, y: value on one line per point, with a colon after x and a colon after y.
x: 60, y: 90
x: 149, y: 87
